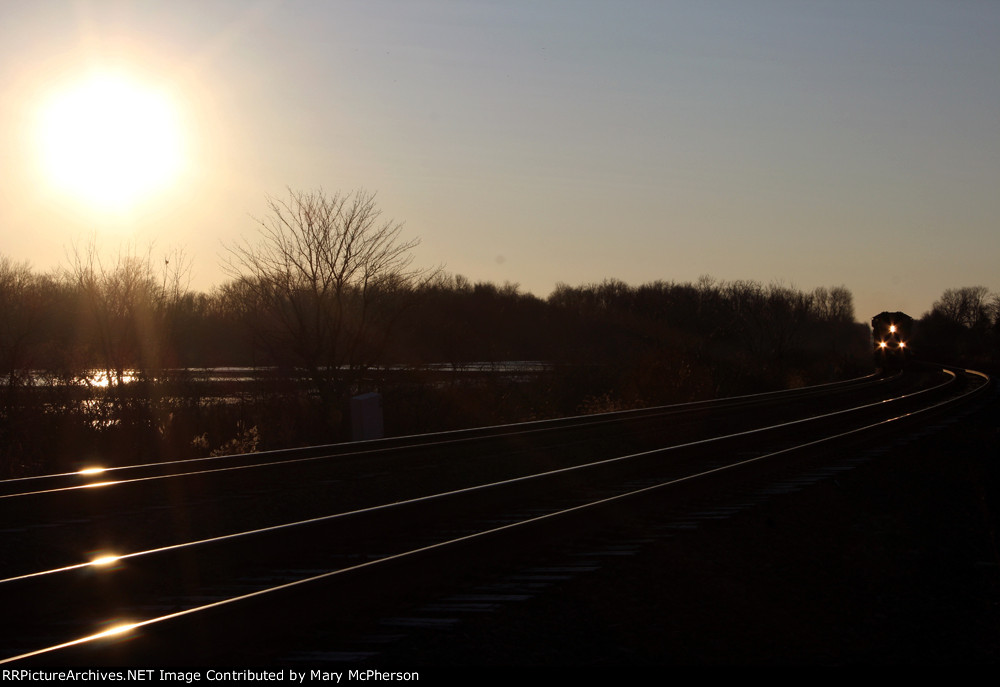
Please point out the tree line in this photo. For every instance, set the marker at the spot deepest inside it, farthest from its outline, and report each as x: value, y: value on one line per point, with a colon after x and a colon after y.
x: 107, y: 354
x: 132, y: 319
x: 963, y: 326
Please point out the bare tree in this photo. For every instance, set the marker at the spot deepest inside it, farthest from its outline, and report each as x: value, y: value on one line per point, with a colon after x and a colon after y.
x: 967, y: 306
x: 127, y: 308
x: 835, y: 304
x: 841, y: 304
x: 21, y: 319
x: 322, y: 281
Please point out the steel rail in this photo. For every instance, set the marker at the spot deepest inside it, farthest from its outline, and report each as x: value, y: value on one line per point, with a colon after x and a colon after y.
x: 490, y: 485
x: 524, y: 523
x: 294, y: 490
x: 94, y: 475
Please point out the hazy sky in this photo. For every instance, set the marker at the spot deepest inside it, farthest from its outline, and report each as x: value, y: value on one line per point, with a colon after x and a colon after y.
x: 815, y: 143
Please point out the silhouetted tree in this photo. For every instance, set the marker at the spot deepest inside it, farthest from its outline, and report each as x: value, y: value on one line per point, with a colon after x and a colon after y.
x: 123, y: 303
x: 321, y: 282
x: 962, y: 326
x: 22, y: 320
x: 968, y: 306
x: 835, y: 304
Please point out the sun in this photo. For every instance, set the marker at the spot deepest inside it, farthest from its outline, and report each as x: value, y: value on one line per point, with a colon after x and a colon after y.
x: 110, y: 141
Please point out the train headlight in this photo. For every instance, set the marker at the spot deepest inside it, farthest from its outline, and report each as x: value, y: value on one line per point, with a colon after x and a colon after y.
x: 892, y: 328
x: 902, y: 344
x: 882, y: 344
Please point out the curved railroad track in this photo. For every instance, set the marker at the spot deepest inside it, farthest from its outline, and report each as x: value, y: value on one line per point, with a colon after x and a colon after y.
x: 214, y: 560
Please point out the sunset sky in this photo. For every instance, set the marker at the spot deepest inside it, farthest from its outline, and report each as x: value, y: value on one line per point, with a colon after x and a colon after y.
x: 812, y: 143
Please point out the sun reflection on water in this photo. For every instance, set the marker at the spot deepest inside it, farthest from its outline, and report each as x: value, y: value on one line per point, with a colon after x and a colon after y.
x: 103, y: 379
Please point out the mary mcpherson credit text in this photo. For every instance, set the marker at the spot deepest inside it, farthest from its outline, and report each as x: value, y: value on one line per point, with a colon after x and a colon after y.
x: 155, y: 675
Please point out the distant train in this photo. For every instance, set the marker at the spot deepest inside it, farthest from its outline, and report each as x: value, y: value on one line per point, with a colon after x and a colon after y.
x: 891, y: 339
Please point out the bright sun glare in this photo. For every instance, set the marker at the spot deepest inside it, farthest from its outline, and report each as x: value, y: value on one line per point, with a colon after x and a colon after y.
x: 110, y: 141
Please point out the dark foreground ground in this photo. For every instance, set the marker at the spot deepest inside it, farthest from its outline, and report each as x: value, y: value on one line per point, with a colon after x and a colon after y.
x: 893, y: 562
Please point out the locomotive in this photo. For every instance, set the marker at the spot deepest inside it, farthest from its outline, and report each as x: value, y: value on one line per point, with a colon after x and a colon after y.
x: 891, y: 335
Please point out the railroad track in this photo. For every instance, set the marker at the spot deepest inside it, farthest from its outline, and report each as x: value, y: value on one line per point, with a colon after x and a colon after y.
x: 157, y: 505
x: 223, y: 596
